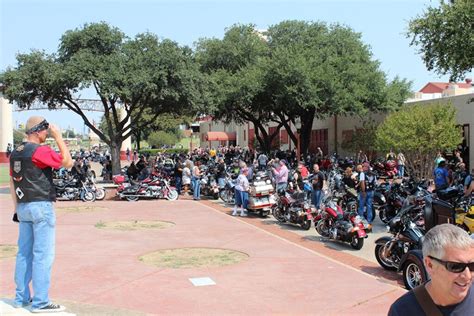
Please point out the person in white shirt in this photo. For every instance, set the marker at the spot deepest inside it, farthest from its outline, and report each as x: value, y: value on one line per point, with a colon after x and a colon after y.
x: 241, y: 193
x: 186, y: 178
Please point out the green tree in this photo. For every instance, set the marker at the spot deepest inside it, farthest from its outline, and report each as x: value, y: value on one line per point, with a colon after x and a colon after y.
x: 318, y: 71
x: 420, y: 131
x: 161, y: 138
x: 363, y: 138
x: 18, y: 137
x: 131, y: 75
x: 69, y: 133
x: 445, y: 37
x: 236, y: 69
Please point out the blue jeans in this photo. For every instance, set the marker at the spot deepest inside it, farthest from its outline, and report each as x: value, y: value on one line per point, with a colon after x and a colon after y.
x: 36, y: 243
x: 196, y: 188
x: 221, y: 183
x: 316, y: 198
x: 281, y: 186
x: 178, y: 184
x: 401, y: 171
x: 366, y: 201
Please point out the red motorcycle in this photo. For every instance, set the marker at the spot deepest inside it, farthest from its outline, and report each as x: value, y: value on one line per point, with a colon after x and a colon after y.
x: 152, y: 187
x: 332, y: 222
x: 293, y: 208
x: 386, y: 169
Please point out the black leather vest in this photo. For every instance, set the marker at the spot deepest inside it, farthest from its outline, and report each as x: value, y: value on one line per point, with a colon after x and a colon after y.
x: 31, y: 183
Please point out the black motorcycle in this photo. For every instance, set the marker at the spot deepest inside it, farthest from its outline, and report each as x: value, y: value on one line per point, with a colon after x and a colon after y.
x: 395, y: 252
x: 73, y: 189
x: 293, y: 208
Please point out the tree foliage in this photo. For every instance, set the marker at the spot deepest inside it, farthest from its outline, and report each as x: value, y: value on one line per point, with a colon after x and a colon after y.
x: 319, y: 70
x: 363, y: 139
x: 162, y: 138
x: 445, y: 37
x: 294, y: 72
x: 238, y: 87
x: 138, y: 76
x: 420, y: 131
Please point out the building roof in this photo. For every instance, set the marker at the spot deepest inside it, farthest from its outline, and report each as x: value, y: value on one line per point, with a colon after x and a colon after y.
x: 439, y: 87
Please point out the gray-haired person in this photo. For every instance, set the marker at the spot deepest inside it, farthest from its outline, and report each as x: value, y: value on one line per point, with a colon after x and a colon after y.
x: 448, y: 255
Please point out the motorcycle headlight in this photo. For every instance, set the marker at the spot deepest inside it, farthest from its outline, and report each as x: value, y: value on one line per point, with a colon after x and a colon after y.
x: 406, y: 247
x: 388, y: 228
x: 268, y: 181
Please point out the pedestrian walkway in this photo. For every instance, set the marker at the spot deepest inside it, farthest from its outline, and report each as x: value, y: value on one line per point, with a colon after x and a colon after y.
x: 102, y: 268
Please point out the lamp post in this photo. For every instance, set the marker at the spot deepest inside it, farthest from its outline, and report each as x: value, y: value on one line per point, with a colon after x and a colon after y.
x: 191, y: 141
x: 298, y: 139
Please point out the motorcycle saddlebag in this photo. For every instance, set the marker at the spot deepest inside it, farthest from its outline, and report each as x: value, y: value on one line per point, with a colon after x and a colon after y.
x: 118, y: 179
x: 261, y: 189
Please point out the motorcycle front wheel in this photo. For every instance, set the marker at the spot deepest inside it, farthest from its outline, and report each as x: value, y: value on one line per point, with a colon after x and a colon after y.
x: 356, y: 242
x: 88, y: 196
x: 382, y: 260
x: 99, y: 194
x: 322, y: 228
x: 383, y: 214
x: 131, y: 198
x: 306, y: 225
x: 172, y: 195
x: 278, y: 214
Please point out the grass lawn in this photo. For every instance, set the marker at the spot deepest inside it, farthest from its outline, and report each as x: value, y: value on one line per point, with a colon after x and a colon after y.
x: 4, y: 177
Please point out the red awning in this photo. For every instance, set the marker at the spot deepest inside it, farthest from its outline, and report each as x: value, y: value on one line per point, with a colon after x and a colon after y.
x: 211, y: 136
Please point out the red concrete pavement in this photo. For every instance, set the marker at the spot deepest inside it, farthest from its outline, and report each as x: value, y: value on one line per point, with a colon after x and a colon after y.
x: 97, y: 266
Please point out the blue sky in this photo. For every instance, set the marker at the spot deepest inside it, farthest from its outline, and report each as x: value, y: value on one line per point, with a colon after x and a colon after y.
x: 39, y: 24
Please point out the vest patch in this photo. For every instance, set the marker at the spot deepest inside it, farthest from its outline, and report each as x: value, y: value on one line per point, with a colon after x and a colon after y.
x: 19, y: 193
x: 17, y: 166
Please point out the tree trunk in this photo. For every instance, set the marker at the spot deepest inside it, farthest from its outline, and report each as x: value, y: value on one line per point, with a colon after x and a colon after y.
x: 115, y: 152
x: 138, y: 138
x: 306, y: 127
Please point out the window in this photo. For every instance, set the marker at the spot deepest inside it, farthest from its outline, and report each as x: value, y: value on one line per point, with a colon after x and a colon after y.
x: 284, y: 137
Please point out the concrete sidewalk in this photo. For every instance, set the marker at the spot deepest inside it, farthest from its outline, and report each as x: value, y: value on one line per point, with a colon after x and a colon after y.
x: 100, y: 268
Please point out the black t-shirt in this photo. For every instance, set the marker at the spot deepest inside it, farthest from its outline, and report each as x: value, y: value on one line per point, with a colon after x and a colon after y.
x: 220, y: 170
x: 178, y: 169
x: 349, y: 182
x: 408, y: 305
x: 318, y: 181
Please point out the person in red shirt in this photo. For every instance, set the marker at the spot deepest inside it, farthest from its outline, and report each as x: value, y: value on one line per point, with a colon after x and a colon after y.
x: 33, y: 194
x: 304, y: 171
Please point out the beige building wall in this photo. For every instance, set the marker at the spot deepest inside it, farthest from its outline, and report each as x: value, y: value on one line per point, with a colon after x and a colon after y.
x: 6, y: 127
x: 337, y: 125
x: 465, y: 116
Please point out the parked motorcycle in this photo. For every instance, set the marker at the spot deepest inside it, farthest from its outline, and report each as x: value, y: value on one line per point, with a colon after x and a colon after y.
x: 391, y: 251
x: 332, y: 222
x: 293, y: 208
x: 73, y: 189
x: 261, y: 197
x: 227, y: 193
x: 152, y: 187
x: 395, y: 196
x: 386, y: 169
x: 209, y: 186
x: 465, y: 214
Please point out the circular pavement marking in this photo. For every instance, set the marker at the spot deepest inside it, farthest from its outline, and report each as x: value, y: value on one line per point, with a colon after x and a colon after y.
x: 134, y: 225
x: 80, y: 209
x: 8, y: 251
x: 185, y: 258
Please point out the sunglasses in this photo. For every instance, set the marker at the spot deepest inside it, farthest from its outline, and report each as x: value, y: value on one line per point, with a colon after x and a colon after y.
x: 43, y: 125
x: 455, y: 267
